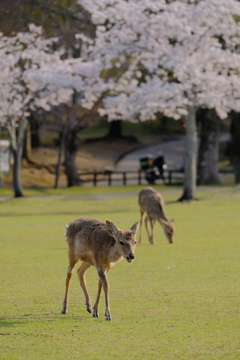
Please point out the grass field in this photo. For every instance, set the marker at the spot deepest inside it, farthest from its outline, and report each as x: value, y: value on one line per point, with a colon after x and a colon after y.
x: 174, y: 302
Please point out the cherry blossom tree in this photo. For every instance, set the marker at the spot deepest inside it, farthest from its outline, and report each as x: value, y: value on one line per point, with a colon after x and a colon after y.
x: 174, y: 57
x: 32, y: 76
x: 18, y: 53
x: 80, y: 79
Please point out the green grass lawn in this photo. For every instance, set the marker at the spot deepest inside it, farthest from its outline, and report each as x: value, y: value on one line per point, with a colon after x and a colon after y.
x: 177, y: 301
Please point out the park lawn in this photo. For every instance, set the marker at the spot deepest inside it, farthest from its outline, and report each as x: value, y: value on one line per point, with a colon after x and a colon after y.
x: 177, y: 301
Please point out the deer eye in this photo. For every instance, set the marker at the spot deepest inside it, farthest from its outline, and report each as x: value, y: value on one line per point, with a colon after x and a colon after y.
x: 135, y: 243
x: 121, y: 242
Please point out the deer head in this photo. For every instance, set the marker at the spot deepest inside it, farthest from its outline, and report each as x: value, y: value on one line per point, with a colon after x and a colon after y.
x: 125, y: 239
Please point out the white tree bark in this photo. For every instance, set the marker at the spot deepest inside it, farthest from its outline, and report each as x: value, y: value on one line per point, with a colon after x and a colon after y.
x: 190, y: 164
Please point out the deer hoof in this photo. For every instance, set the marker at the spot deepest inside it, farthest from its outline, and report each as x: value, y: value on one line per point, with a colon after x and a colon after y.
x: 95, y: 314
x: 64, y: 310
x: 89, y: 308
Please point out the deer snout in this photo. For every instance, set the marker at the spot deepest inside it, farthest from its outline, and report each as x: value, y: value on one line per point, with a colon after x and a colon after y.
x: 130, y: 257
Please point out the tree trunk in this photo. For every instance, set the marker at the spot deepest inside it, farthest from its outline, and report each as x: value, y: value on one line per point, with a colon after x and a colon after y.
x: 208, y: 148
x: 17, y: 162
x: 17, y: 141
x: 60, y: 152
x: 27, y: 147
x: 234, y: 144
x: 190, y: 164
x: 35, y: 137
x: 71, y: 147
x: 1, y: 173
x: 115, y: 129
x: 237, y: 173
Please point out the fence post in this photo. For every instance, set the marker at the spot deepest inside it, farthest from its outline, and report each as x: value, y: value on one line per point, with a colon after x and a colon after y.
x: 95, y: 178
x: 124, y: 178
x: 109, y: 178
x: 139, y: 177
x: 169, y: 176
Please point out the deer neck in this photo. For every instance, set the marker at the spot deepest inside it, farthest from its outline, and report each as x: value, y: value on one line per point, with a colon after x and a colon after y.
x: 162, y: 218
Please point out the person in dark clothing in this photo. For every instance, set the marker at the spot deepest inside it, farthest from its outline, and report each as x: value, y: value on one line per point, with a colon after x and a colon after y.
x: 160, y: 163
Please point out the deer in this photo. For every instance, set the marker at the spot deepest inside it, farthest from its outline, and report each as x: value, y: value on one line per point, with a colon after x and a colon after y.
x: 97, y: 244
x: 152, y: 203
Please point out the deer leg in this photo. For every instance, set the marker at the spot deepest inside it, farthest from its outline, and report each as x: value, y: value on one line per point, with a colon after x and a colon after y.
x: 81, y: 275
x: 95, y: 307
x: 103, y: 277
x: 146, y: 225
x: 140, y: 226
x: 71, y: 267
x: 152, y: 222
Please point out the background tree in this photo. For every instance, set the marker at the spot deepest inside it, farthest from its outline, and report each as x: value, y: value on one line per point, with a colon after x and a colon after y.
x: 175, y: 57
x: 79, y: 79
x: 208, y: 155
x: 59, y: 18
x: 233, y: 150
x: 19, y: 53
x: 33, y: 77
x: 115, y: 129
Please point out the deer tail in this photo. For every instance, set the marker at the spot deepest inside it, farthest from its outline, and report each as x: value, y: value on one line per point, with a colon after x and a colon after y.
x: 66, y: 231
x: 71, y: 231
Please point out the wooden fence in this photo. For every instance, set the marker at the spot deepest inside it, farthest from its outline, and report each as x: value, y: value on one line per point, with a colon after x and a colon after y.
x: 136, y: 176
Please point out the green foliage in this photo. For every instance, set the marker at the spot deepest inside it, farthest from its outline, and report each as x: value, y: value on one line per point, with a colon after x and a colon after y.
x: 161, y: 126
x: 177, y: 301
x: 95, y: 130
x: 158, y: 127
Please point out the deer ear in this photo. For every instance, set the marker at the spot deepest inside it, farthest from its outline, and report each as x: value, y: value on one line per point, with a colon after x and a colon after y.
x: 112, y: 229
x: 164, y: 222
x: 134, y: 227
x: 172, y: 222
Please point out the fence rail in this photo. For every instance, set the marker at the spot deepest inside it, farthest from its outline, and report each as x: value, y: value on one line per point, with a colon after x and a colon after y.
x: 134, y: 176
x: 125, y: 176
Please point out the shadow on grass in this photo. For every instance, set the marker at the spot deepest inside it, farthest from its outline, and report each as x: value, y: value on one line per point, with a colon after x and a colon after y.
x: 5, y: 323
x: 172, y: 202
x: 46, y: 318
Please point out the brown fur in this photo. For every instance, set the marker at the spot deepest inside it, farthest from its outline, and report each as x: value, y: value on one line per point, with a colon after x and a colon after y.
x: 101, y: 245
x: 151, y: 203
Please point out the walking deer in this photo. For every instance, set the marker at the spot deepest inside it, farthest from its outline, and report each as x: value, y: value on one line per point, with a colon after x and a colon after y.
x: 151, y: 203
x: 101, y: 245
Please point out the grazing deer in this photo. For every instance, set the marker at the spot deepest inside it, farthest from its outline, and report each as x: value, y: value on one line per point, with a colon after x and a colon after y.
x: 101, y: 245
x: 151, y: 203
